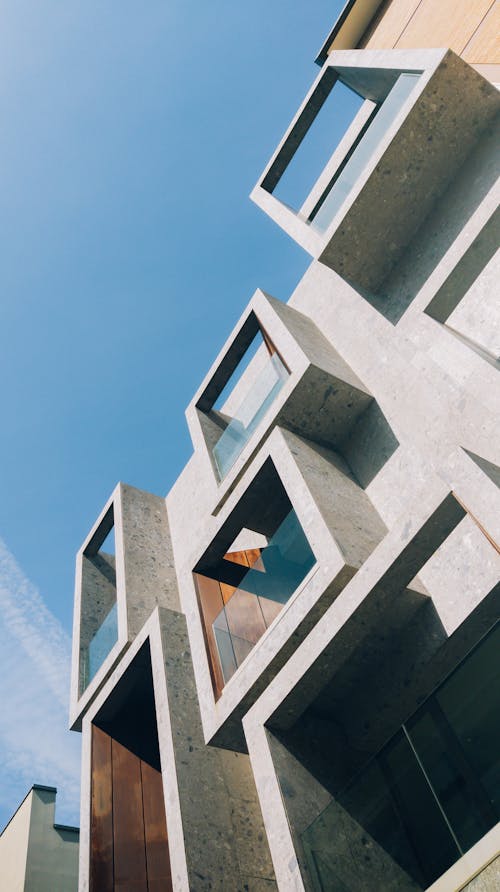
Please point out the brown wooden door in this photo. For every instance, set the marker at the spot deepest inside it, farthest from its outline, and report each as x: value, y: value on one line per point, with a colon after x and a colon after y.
x: 128, y: 831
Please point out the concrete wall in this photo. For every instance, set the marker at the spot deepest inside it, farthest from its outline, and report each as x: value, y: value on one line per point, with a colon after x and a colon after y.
x: 52, y: 864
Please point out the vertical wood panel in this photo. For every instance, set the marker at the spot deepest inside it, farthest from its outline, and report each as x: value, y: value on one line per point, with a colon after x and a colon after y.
x: 237, y: 557
x: 389, y: 25
x: 128, y: 822
x: 101, y: 819
x: 210, y: 599
x: 443, y: 24
x: 155, y: 831
x: 484, y: 46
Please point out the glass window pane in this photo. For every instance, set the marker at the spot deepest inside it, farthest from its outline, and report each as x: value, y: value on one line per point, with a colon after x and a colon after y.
x: 275, y: 574
x: 286, y: 561
x: 392, y: 800
x: 99, y: 631
x: 102, y: 642
x: 350, y: 173
x: 244, y: 616
x: 257, y: 396
x: 457, y: 737
x: 225, y: 650
x: 432, y: 792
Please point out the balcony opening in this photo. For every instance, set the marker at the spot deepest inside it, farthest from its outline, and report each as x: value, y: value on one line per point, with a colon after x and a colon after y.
x: 99, y: 614
x: 407, y: 813
x: 240, y: 394
x: 323, y: 136
x: 128, y: 832
x: 259, y: 559
x: 361, y: 152
x: 335, y: 137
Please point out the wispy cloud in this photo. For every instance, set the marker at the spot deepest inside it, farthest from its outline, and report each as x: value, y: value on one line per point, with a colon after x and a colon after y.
x: 35, y: 745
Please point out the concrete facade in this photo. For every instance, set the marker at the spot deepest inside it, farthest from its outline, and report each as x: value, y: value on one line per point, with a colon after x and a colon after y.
x: 309, y: 619
x: 37, y: 855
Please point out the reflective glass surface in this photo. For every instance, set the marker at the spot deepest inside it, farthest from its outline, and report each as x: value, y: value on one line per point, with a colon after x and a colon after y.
x: 100, y: 645
x: 366, y: 147
x: 434, y: 790
x: 261, y: 594
x: 258, y: 396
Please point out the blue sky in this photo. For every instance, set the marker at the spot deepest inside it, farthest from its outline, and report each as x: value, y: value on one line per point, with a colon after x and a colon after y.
x: 131, y: 136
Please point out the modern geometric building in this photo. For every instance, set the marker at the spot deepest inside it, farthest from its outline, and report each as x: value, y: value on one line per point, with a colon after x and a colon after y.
x: 287, y: 672
x: 37, y: 855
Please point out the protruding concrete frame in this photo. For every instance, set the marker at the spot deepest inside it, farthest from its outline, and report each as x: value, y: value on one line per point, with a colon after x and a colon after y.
x: 343, y: 635
x: 382, y: 212
x: 342, y: 528
x: 214, y: 824
x: 321, y: 398
x: 145, y: 578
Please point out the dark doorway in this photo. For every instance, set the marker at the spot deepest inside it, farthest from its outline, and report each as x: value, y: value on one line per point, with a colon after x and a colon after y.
x: 128, y: 832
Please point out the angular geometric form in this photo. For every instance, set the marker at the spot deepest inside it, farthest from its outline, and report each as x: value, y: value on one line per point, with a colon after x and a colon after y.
x: 115, y: 593
x: 459, y: 303
x: 393, y: 163
x: 166, y: 811
x: 347, y: 696
x: 242, y: 592
x: 331, y: 529
x: 296, y: 380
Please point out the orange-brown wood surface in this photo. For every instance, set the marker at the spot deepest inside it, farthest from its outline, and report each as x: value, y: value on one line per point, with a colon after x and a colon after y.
x: 128, y: 822
x: 128, y: 831
x: 248, y: 616
x: 211, y: 603
x: 237, y: 557
x: 101, y: 824
x: 157, y: 854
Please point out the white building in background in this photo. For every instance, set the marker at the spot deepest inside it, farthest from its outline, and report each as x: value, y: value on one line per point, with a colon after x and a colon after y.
x: 37, y: 855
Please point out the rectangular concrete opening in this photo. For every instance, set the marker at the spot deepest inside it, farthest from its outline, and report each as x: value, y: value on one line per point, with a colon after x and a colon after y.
x: 343, y: 122
x: 323, y: 136
x: 99, y: 610
x: 251, y: 570
x: 381, y: 792
x: 128, y: 833
x: 240, y: 394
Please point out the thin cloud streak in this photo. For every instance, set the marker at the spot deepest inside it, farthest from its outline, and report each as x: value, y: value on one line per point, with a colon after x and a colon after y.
x: 35, y: 744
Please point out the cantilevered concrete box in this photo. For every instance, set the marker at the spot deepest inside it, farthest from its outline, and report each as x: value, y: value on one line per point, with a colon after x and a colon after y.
x: 342, y: 529
x: 125, y: 587
x: 320, y: 397
x: 393, y: 163
x: 370, y: 661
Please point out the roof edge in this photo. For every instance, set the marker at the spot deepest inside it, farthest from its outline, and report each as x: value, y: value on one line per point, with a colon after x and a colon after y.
x: 349, y: 27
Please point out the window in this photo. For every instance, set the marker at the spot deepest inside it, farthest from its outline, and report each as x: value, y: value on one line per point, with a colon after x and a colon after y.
x: 99, y: 613
x: 434, y: 790
x: 240, y: 394
x: 325, y: 133
x: 364, y: 148
x: 243, y: 588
